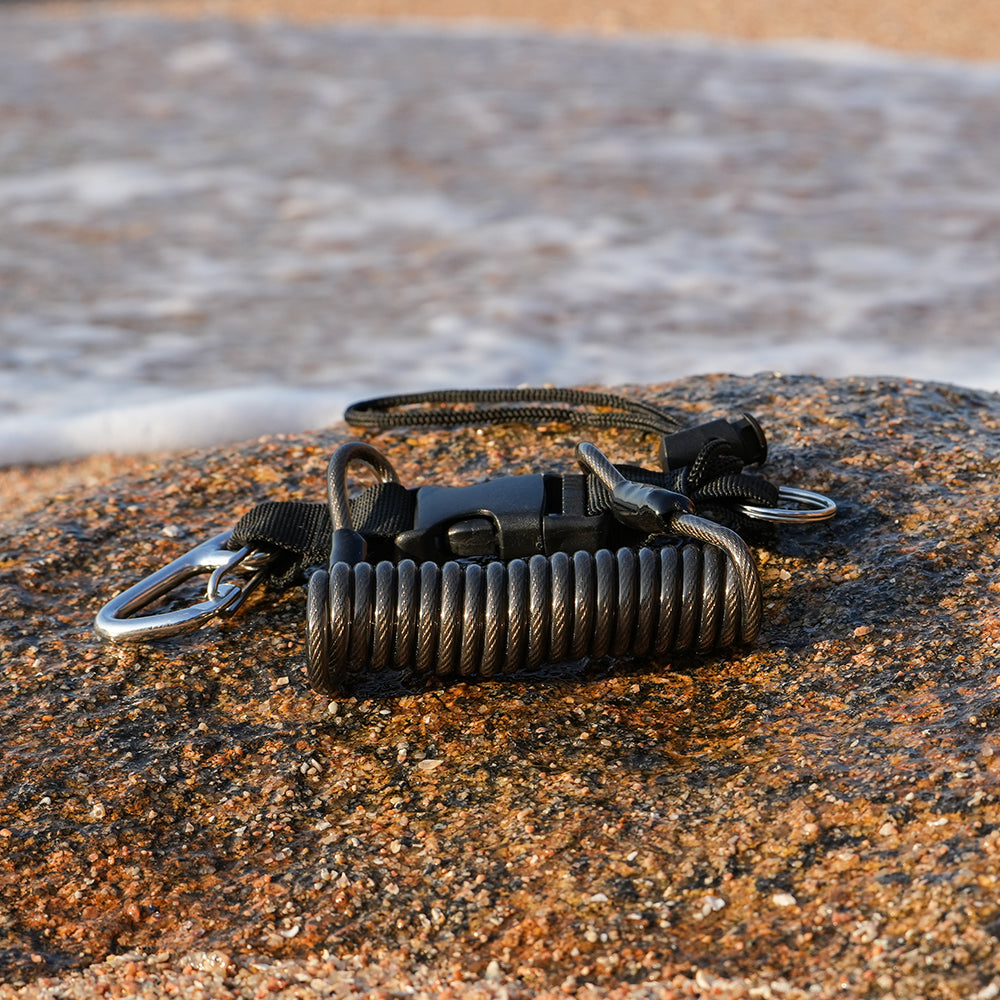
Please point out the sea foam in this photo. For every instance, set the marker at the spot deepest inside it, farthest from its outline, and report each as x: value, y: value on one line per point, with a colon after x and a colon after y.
x: 216, y: 231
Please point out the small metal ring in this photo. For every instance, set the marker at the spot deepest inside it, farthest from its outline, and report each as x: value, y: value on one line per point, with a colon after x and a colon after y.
x: 817, y: 507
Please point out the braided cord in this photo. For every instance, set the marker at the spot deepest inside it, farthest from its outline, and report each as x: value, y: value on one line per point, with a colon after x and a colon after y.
x: 385, y: 412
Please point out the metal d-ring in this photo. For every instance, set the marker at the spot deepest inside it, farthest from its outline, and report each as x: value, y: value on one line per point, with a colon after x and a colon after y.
x: 815, y: 507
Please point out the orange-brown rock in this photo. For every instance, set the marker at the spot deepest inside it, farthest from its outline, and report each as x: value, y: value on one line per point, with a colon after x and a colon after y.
x: 816, y: 816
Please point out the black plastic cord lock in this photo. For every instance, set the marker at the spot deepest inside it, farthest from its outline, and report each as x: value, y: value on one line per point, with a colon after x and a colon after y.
x: 745, y: 438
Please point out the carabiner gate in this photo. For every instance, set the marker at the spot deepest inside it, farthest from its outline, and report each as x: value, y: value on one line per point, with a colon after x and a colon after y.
x: 114, y: 620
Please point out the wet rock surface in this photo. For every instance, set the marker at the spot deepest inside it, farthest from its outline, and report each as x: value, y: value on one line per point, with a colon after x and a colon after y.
x: 816, y: 816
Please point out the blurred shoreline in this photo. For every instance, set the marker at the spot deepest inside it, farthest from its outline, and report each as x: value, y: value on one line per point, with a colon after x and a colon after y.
x: 934, y: 27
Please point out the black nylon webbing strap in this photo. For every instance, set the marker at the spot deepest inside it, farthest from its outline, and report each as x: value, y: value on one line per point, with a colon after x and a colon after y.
x: 299, y: 532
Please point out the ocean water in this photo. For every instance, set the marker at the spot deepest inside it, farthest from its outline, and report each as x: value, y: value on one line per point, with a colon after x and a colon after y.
x: 211, y: 231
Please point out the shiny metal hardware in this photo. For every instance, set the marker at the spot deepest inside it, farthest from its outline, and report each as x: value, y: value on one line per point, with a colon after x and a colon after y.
x: 118, y: 621
x: 815, y: 507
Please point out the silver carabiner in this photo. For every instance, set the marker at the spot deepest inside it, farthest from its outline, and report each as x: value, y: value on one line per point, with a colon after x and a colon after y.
x: 115, y: 622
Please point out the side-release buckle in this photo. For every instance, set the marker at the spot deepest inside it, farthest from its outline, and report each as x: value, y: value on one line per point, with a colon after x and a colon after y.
x: 512, y: 517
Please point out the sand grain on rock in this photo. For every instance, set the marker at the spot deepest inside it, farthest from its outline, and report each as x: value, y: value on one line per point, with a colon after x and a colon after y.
x: 819, y: 813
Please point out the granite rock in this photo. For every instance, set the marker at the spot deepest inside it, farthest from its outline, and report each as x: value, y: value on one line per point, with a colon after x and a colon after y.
x: 817, y: 816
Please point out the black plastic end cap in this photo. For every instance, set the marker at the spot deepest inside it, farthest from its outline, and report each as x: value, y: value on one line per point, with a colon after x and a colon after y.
x: 754, y: 439
x: 348, y: 546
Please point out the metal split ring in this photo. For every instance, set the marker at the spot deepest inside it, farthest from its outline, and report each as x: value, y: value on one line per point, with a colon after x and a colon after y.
x: 816, y: 507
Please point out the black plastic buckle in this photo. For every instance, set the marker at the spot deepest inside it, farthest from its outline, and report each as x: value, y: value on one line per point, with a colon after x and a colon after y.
x: 507, y: 518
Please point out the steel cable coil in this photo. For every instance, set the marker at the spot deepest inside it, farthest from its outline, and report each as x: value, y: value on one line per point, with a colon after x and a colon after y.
x: 482, y: 620
x: 697, y: 591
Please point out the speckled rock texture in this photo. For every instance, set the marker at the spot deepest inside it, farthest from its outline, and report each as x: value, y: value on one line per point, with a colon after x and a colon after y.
x: 817, y: 816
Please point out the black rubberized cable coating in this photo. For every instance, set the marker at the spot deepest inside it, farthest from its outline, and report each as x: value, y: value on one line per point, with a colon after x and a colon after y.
x: 477, y: 621
x: 697, y: 588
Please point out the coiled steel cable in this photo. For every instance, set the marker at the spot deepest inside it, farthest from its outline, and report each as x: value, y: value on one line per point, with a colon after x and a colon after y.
x: 693, y: 527
x: 697, y: 591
